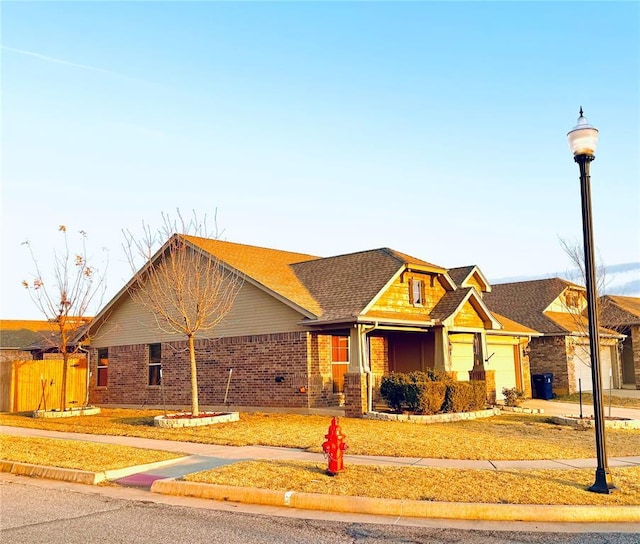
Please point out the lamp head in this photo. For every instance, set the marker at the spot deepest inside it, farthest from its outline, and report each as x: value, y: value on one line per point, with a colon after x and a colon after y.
x: 583, y: 138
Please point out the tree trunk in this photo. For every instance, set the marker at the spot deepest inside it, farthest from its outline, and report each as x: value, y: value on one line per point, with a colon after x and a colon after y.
x: 194, y: 378
x: 63, y: 385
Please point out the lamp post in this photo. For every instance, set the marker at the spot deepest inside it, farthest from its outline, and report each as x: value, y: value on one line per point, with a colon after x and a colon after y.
x: 583, y: 141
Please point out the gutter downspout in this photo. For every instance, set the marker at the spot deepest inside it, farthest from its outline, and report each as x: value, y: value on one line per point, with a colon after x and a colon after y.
x: 366, y: 360
x: 86, y: 397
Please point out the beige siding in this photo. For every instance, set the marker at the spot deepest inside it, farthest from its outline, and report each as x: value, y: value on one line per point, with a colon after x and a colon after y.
x: 468, y: 317
x: 560, y: 304
x: 254, y: 312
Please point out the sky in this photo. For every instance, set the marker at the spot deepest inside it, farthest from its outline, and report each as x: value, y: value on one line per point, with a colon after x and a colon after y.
x: 437, y: 129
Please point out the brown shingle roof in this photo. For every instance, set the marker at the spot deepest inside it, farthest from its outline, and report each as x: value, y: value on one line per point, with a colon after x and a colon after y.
x: 526, y: 301
x: 449, y: 303
x: 345, y: 284
x: 460, y: 273
x: 512, y: 326
x: 269, y: 267
x: 620, y: 311
x: 330, y: 288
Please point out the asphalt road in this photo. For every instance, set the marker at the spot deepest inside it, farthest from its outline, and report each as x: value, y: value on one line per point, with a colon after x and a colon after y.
x: 42, y: 511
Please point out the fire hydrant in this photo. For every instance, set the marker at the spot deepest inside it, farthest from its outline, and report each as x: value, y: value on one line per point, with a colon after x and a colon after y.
x: 334, y: 447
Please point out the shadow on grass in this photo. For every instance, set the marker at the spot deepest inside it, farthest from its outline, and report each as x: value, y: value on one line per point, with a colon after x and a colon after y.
x: 146, y: 421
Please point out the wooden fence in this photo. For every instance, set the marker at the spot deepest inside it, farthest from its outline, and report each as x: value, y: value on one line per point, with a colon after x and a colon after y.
x: 36, y: 385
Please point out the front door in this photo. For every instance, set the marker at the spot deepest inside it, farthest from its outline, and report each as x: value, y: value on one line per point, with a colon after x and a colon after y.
x: 410, y: 352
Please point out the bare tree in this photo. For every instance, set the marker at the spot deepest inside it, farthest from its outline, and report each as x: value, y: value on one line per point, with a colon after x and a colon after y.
x: 72, y: 291
x: 575, y: 252
x: 187, y: 290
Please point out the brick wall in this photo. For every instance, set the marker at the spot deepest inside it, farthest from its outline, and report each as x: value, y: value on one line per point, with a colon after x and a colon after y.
x: 635, y: 345
x: 256, y: 362
x: 549, y: 354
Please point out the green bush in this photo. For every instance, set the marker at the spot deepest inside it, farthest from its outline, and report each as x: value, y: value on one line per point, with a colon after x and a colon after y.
x: 465, y: 396
x: 393, y: 388
x: 513, y: 396
x: 430, y: 392
x: 423, y: 394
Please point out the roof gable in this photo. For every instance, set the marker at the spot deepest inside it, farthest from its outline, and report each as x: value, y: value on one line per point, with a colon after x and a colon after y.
x: 268, y: 268
x: 453, y: 302
x: 345, y: 285
x: 470, y: 276
x: 530, y: 302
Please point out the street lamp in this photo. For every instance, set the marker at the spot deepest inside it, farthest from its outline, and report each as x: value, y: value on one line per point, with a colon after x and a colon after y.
x: 583, y: 141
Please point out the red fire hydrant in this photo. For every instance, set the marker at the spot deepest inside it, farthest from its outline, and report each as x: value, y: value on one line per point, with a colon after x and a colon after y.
x: 334, y: 447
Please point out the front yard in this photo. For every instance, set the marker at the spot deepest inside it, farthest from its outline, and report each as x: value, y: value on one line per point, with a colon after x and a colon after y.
x: 504, y: 437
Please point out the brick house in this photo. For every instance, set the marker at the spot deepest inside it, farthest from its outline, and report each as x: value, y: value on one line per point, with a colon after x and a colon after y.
x: 309, y: 332
x: 555, y: 307
x: 623, y: 315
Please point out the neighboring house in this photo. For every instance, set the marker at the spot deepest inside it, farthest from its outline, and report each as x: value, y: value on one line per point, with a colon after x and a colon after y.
x: 17, y: 335
x: 310, y: 332
x: 31, y: 366
x: 623, y: 315
x: 555, y: 308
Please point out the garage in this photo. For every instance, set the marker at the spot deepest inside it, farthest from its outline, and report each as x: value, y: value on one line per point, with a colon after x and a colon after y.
x: 461, y: 355
x: 582, y: 367
x: 501, y: 359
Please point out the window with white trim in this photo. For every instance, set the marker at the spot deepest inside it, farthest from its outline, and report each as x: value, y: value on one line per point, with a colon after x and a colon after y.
x: 416, y: 292
x: 339, y: 361
x: 102, y: 377
x: 155, y: 364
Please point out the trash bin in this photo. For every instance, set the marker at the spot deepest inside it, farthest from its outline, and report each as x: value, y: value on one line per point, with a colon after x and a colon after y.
x: 543, y: 385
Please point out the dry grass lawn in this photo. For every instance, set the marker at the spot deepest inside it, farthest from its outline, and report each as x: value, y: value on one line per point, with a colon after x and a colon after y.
x: 505, y: 437
x: 587, y: 400
x: 430, y: 484
x: 76, y: 454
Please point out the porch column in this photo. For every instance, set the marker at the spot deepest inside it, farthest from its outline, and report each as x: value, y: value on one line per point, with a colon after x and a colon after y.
x: 479, y: 371
x: 355, y: 380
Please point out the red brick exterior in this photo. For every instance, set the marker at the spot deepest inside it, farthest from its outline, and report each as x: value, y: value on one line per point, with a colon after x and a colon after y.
x: 489, y: 377
x: 549, y: 354
x: 355, y: 390
x: 302, y: 360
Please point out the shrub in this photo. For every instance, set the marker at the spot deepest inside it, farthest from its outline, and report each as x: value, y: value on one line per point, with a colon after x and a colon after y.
x: 465, y: 396
x: 423, y: 394
x: 513, y: 396
x: 431, y: 392
x: 392, y: 390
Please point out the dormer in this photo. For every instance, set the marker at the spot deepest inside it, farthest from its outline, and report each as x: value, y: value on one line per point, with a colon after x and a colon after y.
x: 470, y: 276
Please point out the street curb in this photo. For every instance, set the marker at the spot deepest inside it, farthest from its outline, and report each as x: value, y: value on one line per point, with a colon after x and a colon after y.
x: 79, y: 476
x: 400, y: 507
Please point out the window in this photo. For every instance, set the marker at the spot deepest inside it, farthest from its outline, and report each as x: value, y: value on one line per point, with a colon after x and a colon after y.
x: 155, y: 364
x: 339, y: 361
x: 103, y: 367
x: 572, y: 299
x: 416, y: 292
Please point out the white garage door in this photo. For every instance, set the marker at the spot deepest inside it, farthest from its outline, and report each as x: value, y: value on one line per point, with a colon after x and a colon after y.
x: 502, y: 361
x: 582, y: 367
x: 461, y: 360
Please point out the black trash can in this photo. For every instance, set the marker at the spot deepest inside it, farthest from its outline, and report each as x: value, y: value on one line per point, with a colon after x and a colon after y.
x: 543, y: 385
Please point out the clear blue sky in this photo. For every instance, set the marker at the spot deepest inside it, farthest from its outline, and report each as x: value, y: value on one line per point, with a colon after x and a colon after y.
x: 436, y: 129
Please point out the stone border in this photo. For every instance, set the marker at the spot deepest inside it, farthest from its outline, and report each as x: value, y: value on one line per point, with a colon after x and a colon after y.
x: 72, y: 412
x: 520, y: 410
x: 162, y: 421
x: 437, y: 418
x: 588, y: 423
